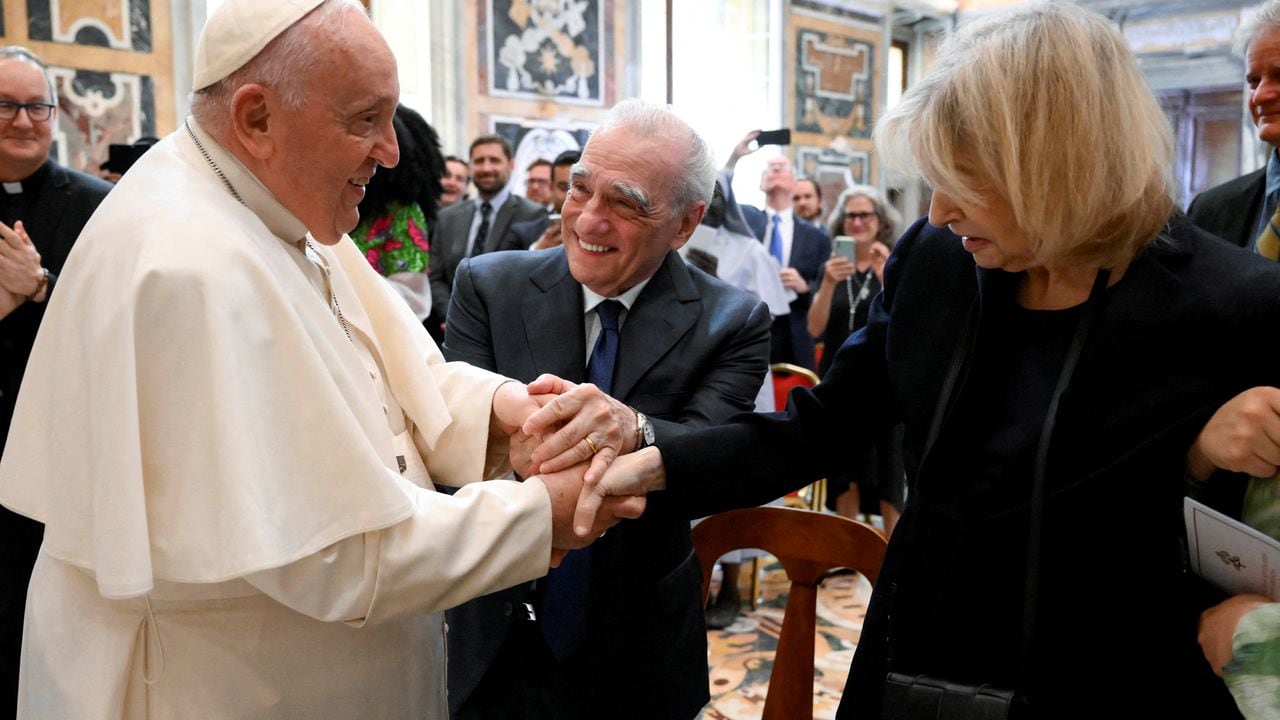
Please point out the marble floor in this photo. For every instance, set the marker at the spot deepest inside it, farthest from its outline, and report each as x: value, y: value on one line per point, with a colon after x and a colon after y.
x: 741, y: 655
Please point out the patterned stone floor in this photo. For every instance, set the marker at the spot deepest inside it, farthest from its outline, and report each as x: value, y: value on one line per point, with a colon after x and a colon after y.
x: 742, y: 654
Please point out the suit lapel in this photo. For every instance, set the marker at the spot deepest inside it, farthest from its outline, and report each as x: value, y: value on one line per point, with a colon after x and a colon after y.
x: 501, y: 221
x: 458, y: 240
x: 555, y: 308
x: 663, y: 313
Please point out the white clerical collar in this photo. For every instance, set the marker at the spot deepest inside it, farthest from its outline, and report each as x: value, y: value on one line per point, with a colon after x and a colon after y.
x: 591, y: 299
x: 13, y: 188
x: 279, y: 220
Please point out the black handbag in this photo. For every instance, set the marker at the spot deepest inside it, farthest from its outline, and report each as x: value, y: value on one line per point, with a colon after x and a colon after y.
x: 921, y: 697
x: 907, y: 697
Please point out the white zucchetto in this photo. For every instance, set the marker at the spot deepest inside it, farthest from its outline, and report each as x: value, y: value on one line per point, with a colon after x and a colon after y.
x: 238, y: 30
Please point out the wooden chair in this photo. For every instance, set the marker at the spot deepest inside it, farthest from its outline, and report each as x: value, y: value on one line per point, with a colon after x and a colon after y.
x: 808, y: 544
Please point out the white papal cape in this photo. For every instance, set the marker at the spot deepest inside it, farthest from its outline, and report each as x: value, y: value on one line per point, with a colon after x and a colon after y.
x: 229, y: 534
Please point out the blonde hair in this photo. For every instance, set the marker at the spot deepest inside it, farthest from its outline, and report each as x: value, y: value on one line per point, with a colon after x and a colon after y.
x: 1044, y: 107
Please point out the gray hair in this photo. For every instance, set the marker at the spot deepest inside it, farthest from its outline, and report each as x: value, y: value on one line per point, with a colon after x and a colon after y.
x: 697, y: 171
x: 285, y: 65
x: 886, y: 213
x: 17, y: 52
x: 1267, y: 16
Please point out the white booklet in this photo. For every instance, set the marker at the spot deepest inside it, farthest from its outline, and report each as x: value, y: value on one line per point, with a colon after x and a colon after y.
x: 1230, y: 554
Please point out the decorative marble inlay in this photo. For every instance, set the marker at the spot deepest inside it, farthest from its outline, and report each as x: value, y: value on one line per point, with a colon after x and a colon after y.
x: 116, y: 24
x: 547, y: 49
x: 96, y: 109
x: 834, y: 75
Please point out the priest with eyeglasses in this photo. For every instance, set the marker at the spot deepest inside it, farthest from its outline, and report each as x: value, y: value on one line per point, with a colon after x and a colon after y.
x: 43, y: 206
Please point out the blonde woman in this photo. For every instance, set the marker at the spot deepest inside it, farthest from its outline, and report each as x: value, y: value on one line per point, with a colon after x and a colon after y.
x: 1050, y: 394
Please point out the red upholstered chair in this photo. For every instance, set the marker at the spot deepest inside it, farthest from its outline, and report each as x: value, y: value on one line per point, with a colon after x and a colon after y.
x: 808, y: 544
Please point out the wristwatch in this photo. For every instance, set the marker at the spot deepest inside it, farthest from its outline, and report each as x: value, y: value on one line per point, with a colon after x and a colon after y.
x: 46, y: 281
x: 644, y: 431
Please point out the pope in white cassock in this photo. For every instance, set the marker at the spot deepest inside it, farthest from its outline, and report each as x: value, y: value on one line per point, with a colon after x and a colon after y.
x: 231, y: 425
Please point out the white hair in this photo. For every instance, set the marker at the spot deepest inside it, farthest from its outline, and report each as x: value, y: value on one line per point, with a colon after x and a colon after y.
x: 697, y: 170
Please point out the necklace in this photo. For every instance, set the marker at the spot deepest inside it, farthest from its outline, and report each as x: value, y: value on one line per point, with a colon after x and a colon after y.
x: 863, y: 292
x: 318, y: 258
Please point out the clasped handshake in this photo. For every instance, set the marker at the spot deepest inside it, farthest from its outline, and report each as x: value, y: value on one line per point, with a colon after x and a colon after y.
x: 580, y: 443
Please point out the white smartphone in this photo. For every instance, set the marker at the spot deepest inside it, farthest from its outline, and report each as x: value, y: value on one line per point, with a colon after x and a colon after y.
x: 844, y: 247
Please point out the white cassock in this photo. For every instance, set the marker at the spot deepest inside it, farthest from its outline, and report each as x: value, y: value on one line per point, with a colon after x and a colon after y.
x: 229, y: 533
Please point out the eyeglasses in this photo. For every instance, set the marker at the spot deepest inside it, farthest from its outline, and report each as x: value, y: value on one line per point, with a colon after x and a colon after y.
x: 38, y: 112
x: 863, y: 216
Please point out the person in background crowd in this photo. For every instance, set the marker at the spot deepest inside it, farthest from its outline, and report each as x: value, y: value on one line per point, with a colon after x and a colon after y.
x: 231, y: 426
x: 544, y: 232
x: 799, y: 248
x: 399, y: 206
x: 537, y: 183
x: 1240, y: 635
x: 456, y: 178
x: 1057, y: 377
x: 807, y: 201
x: 43, y: 206
x: 873, y: 479
x: 476, y: 226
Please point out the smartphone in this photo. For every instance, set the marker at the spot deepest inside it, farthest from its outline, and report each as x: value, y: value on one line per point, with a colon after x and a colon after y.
x: 774, y: 137
x: 844, y: 247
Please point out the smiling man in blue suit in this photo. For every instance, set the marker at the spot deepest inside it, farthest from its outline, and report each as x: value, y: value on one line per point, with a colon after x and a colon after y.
x: 665, y: 348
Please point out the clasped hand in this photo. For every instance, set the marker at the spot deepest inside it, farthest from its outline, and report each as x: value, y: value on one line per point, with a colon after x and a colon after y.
x: 567, y: 435
x: 19, y: 267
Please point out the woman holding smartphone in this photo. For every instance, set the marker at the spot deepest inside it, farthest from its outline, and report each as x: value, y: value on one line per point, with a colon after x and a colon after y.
x: 864, y: 226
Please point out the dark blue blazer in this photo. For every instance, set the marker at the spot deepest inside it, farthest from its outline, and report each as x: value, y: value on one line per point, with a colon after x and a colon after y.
x: 692, y: 352
x: 1189, y: 325
x: 525, y: 233
x: 810, y: 248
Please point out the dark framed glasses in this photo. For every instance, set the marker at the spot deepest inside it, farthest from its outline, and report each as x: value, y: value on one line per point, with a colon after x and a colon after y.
x: 38, y: 111
x: 863, y: 216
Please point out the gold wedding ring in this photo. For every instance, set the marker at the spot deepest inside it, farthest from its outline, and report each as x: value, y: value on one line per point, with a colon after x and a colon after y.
x: 591, y: 445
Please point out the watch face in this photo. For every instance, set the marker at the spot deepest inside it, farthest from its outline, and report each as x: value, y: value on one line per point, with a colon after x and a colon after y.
x: 646, y: 427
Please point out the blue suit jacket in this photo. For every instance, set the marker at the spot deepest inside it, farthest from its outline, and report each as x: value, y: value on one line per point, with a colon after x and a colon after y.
x: 810, y: 248
x: 692, y: 352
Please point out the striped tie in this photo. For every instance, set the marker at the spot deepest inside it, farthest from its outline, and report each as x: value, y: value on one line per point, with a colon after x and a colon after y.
x: 1269, y: 241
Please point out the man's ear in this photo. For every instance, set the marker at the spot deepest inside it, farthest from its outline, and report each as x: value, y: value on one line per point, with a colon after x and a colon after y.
x: 688, y: 223
x: 253, y: 115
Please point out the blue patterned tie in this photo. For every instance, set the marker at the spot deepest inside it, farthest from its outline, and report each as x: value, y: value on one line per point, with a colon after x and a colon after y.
x: 563, y: 602
x: 775, y: 241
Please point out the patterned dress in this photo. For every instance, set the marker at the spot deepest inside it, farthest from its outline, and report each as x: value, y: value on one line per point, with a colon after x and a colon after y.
x: 396, y: 241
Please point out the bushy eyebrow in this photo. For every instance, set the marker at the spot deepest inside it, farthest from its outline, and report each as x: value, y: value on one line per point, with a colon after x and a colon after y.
x: 631, y: 192
x: 638, y: 196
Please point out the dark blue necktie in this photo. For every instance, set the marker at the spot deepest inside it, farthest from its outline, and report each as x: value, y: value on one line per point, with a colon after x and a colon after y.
x: 775, y: 242
x: 563, y: 602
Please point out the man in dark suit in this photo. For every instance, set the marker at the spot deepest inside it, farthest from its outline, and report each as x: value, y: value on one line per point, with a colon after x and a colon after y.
x: 478, y: 225
x: 544, y: 232
x: 1239, y: 209
x: 43, y: 206
x: 687, y: 351
x: 799, y: 247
